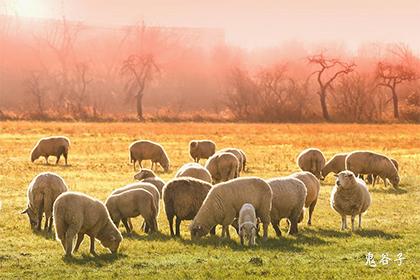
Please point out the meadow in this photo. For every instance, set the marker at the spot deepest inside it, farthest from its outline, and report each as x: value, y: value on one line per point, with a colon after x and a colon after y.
x: 98, y: 161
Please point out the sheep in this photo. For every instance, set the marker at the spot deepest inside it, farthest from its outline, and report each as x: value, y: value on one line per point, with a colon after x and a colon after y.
x: 247, y: 223
x: 51, y: 146
x: 132, y: 203
x: 201, y: 149
x: 312, y: 190
x: 183, y: 198
x: 350, y: 197
x: 145, y: 150
x: 311, y: 160
x: 239, y: 154
x: 336, y: 164
x: 244, y: 160
x: 222, y: 167
x: 148, y: 176
x: 194, y: 170
x: 372, y: 177
x: 141, y: 185
x: 43, y: 190
x: 225, y: 200
x: 289, y: 195
x: 366, y: 162
x: 78, y: 214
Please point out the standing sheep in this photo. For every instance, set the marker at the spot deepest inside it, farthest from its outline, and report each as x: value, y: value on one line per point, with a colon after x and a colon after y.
x: 51, y: 146
x: 372, y: 177
x: 130, y: 204
x: 350, y: 197
x: 289, y: 196
x: 78, y: 214
x: 222, y: 167
x: 366, y: 162
x: 148, y: 150
x: 311, y: 160
x: 312, y: 190
x: 247, y: 223
x: 239, y: 154
x: 183, y: 198
x: 43, y: 190
x: 336, y: 164
x: 148, y: 176
x: 194, y: 170
x: 202, y: 149
x: 225, y: 200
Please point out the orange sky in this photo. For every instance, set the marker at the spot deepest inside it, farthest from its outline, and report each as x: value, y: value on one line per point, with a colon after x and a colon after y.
x: 247, y: 23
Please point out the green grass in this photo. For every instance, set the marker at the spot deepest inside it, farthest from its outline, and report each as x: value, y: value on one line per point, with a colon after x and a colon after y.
x: 99, y: 163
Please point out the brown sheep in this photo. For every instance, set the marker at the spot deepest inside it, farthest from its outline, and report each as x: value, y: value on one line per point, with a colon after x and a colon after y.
x: 148, y: 150
x: 51, y: 146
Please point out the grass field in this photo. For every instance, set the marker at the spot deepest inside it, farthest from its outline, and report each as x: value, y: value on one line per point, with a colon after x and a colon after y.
x: 99, y: 163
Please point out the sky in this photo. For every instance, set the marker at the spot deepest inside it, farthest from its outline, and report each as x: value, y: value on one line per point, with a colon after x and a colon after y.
x: 249, y: 24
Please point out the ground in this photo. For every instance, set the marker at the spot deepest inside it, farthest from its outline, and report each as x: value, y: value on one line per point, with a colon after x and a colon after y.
x: 99, y: 163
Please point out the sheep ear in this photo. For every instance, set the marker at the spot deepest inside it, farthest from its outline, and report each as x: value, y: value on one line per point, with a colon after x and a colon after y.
x: 335, y: 175
x: 24, y: 211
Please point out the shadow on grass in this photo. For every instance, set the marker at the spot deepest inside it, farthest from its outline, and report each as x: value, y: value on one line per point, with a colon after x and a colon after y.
x: 373, y: 233
x: 330, y: 233
x: 99, y: 261
x: 398, y: 191
x: 156, y: 236
x: 50, y: 235
x: 369, y: 233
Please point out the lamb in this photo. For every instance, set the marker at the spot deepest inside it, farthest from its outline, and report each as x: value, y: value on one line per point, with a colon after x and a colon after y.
x: 145, y: 150
x: 194, y: 170
x: 78, y: 214
x: 43, y: 190
x: 366, y: 162
x: 132, y: 203
x: 247, y: 224
x: 289, y: 195
x: 350, y: 197
x: 51, y: 146
x: 222, y: 167
x: 148, y: 176
x: 312, y: 190
x: 202, y: 149
x: 225, y: 200
x: 336, y: 164
x: 311, y: 160
x: 183, y: 198
x: 239, y: 154
x: 141, y: 185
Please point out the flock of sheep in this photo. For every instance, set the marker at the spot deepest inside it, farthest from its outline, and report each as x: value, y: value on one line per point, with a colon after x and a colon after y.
x: 209, y: 196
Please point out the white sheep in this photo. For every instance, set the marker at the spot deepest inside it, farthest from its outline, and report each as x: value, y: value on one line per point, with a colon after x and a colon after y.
x: 311, y: 160
x: 194, y: 170
x: 201, y: 149
x: 247, y: 223
x: 350, y: 197
x: 148, y: 150
x: 222, y: 167
x: 43, y: 190
x: 239, y: 154
x: 148, y: 176
x: 51, y: 146
x: 78, y: 214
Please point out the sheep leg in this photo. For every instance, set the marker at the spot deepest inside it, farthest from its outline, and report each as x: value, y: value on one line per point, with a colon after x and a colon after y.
x: 51, y: 222
x: 360, y: 221
x: 65, y: 154
x: 47, y: 210
x: 177, y: 226
x: 70, y: 234
x: 213, y: 230
x: 40, y: 214
x: 134, y: 164
x: 127, y: 226
x: 242, y: 240
x: 275, y: 224
x: 311, y: 210
x: 373, y: 182
x: 58, y: 159
x: 92, y: 246
x: 293, y: 226
x: 385, y: 182
x: 130, y: 223
x: 343, y: 222
x: 46, y: 160
x: 146, y: 227
x: 352, y: 222
x: 80, y: 237
x: 225, y: 232
x: 171, y: 224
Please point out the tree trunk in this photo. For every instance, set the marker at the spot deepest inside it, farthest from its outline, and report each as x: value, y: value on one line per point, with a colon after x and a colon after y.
x: 323, y: 99
x: 395, y: 102
x: 140, y: 107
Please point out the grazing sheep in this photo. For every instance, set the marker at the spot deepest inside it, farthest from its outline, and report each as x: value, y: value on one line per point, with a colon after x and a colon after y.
x: 148, y: 176
x: 311, y: 160
x: 141, y: 185
x: 289, y: 196
x: 222, y: 167
x: 312, y: 190
x: 43, y: 190
x: 145, y: 150
x: 366, y: 162
x: 247, y: 223
x: 244, y: 160
x: 183, y: 198
x: 225, y: 200
x: 202, y: 149
x: 350, y: 197
x: 51, y: 146
x: 194, y: 170
x: 336, y: 164
x: 130, y: 204
x: 370, y: 177
x: 239, y: 154
x: 79, y: 214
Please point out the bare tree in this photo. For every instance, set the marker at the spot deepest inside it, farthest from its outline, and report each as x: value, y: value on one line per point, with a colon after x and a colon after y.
x: 332, y: 68
x: 80, y: 86
x: 391, y: 74
x: 37, y: 90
